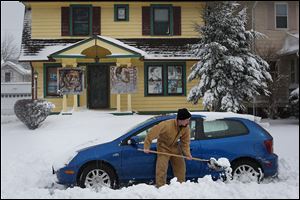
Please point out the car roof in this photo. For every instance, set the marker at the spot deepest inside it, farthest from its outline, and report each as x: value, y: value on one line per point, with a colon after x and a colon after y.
x: 209, y: 116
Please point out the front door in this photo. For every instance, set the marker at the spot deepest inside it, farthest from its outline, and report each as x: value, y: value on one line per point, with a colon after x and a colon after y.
x: 98, y: 86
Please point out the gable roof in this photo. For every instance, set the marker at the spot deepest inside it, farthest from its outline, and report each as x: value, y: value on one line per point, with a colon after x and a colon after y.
x: 116, y: 47
x: 16, y: 67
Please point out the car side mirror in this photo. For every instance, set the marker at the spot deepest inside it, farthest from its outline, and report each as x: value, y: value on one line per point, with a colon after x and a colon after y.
x: 135, y: 140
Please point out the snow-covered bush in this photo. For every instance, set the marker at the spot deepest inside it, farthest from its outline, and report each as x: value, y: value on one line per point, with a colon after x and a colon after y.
x: 294, y: 102
x: 32, y: 112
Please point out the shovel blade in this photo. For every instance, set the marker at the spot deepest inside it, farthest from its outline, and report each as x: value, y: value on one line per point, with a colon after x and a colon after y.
x: 213, y: 164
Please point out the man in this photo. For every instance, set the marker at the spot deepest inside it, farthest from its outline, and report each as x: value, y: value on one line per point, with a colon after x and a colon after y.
x: 168, y: 133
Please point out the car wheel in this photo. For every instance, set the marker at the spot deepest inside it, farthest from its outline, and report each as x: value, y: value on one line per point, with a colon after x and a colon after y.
x: 97, y: 176
x: 246, y: 171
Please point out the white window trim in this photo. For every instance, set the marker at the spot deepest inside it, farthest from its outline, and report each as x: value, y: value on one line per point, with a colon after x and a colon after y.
x: 287, y: 16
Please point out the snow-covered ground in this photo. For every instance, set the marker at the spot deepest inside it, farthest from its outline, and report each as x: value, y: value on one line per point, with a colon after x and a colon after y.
x: 27, y: 157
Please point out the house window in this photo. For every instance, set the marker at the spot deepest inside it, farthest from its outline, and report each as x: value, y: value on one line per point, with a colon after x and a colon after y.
x: 281, y: 15
x: 121, y: 12
x: 155, y: 79
x: 165, y: 79
x: 7, y: 76
x: 51, y: 81
x: 175, y: 80
x: 161, y: 21
x: 81, y: 20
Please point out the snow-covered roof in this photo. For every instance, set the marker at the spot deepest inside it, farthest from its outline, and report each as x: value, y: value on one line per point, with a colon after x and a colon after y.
x: 16, y: 67
x: 122, y: 44
x: 290, y: 45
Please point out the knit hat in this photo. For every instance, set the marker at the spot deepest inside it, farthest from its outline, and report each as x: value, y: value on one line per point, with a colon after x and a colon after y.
x: 183, y: 114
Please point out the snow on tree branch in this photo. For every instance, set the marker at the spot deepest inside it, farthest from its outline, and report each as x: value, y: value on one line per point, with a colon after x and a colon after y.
x: 229, y: 73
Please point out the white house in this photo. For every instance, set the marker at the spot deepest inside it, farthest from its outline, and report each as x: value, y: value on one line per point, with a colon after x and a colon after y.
x: 15, y: 85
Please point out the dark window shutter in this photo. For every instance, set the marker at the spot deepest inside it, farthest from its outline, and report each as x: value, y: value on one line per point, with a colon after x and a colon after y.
x: 146, y: 27
x: 65, y: 21
x: 177, y: 20
x: 96, y: 20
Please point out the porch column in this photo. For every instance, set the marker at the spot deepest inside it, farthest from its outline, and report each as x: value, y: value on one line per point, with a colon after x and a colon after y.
x: 75, y: 96
x: 118, y: 95
x: 118, y: 102
x: 64, y: 104
x: 129, y: 108
x: 127, y: 62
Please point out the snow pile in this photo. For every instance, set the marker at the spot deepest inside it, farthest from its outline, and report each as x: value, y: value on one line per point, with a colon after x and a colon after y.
x: 27, y: 157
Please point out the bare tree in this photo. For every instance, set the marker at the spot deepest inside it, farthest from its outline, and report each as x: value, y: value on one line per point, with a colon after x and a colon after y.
x: 269, y: 54
x: 9, y: 50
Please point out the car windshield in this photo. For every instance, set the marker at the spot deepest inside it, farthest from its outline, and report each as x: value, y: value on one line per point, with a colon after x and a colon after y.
x: 140, y: 125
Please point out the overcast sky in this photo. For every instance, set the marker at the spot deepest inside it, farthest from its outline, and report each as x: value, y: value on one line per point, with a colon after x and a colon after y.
x: 12, y: 14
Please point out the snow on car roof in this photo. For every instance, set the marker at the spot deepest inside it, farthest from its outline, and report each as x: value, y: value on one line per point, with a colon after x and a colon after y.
x: 209, y: 116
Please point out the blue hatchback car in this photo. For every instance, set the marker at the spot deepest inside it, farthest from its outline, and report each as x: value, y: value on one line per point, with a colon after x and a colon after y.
x: 247, y: 146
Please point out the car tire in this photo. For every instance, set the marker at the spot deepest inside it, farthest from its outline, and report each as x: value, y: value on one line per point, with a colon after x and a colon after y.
x: 96, y: 176
x: 247, y: 171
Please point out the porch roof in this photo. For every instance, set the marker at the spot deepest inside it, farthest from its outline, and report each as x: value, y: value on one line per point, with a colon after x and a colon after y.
x: 290, y: 45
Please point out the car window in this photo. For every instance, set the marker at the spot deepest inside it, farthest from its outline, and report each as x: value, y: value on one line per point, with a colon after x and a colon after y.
x: 142, y: 135
x: 223, y: 128
x: 193, y: 129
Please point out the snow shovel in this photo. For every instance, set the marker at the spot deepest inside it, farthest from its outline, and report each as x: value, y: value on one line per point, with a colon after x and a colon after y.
x: 212, y: 162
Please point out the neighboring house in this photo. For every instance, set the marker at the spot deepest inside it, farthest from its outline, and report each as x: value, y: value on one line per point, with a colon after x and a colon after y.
x: 15, y: 85
x: 98, y: 35
x: 11, y: 72
x: 279, y: 21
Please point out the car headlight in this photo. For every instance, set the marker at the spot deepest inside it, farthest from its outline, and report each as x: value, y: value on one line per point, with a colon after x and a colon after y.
x: 64, y: 160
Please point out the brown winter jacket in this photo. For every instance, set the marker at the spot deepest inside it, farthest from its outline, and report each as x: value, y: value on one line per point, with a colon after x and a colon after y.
x: 167, y: 134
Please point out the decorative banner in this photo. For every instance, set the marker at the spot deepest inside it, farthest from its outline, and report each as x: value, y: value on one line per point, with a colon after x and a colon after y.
x: 123, y: 79
x: 70, y: 80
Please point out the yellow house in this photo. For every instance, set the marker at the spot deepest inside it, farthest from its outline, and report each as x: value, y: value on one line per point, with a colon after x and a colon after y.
x: 150, y: 39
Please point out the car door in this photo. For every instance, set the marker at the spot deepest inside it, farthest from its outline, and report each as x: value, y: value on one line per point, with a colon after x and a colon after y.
x: 138, y: 166
x: 196, y: 169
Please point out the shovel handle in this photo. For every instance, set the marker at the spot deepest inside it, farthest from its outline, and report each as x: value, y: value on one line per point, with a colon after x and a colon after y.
x: 175, y: 155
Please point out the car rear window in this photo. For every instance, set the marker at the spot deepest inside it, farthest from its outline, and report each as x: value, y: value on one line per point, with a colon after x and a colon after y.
x: 223, y: 128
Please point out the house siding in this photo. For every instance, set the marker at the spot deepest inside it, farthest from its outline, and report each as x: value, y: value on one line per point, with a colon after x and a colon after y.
x: 140, y: 102
x: 265, y: 23
x: 46, y: 20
